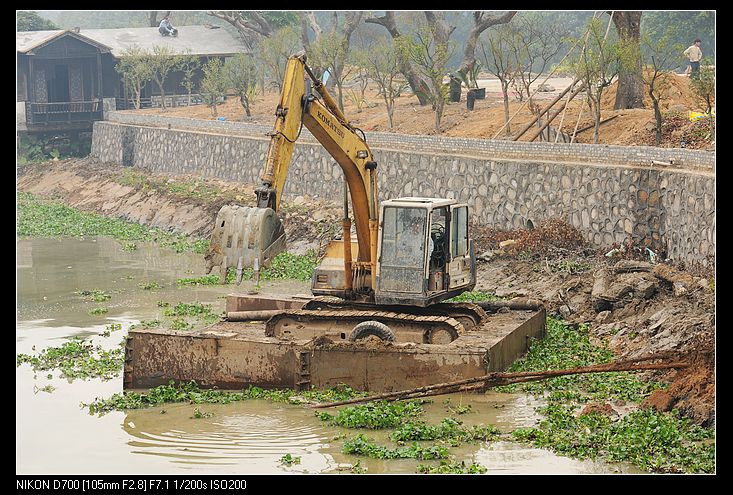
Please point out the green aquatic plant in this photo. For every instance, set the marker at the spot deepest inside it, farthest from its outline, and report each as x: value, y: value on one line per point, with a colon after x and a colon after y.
x: 375, y: 415
x: 449, y: 429
x: 452, y: 467
x: 77, y: 358
x: 98, y: 311
x: 192, y: 393
x: 361, y: 445
x: 289, y: 459
x: 95, y: 295
x: 652, y: 440
x: 46, y: 218
x: 150, y: 286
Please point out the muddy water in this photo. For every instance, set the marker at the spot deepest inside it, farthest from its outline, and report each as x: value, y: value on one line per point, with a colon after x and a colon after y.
x: 55, y: 435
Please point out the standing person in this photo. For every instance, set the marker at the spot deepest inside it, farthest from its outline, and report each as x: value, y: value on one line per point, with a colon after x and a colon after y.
x: 166, y: 29
x: 694, y: 53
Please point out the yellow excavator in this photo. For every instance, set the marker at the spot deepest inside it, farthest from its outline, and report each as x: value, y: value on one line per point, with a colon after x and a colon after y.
x: 410, y: 253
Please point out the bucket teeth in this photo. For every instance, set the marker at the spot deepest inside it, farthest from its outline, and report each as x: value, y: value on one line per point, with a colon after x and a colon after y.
x: 242, y: 235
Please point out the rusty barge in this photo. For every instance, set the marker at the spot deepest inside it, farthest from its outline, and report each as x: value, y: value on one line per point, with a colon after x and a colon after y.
x: 291, y: 347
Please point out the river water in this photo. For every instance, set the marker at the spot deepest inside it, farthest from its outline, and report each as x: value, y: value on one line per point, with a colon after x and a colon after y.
x: 54, y: 435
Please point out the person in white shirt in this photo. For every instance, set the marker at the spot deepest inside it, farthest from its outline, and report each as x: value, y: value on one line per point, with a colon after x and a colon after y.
x: 166, y: 29
x: 694, y: 54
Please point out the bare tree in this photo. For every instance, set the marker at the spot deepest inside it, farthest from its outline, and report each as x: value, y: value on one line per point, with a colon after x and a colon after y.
x: 499, y: 61
x: 481, y: 22
x: 533, y: 44
x: 250, y: 24
x: 658, y: 57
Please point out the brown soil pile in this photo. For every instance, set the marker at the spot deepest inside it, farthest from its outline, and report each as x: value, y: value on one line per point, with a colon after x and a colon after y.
x: 631, y: 127
x: 602, y: 408
x: 692, y: 391
x: 549, y: 234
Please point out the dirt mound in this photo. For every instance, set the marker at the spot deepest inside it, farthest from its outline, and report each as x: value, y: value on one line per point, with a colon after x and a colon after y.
x: 692, y: 391
x: 596, y: 407
x: 676, y: 92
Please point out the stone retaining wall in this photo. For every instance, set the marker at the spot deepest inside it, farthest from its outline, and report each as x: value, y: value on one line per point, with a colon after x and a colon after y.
x: 668, y: 208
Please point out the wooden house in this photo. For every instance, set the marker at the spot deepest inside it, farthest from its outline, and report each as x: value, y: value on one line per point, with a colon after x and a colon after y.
x: 66, y: 79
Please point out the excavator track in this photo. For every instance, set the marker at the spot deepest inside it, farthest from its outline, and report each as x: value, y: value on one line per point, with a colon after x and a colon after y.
x: 338, y: 324
x: 470, y: 315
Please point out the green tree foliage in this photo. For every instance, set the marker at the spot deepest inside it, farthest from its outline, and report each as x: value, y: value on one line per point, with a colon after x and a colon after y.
x: 658, y: 56
x: 704, y: 84
x: 274, y: 52
x: 498, y: 58
x: 31, y: 21
x: 682, y: 27
x: 215, y: 83
x: 331, y: 51
x: 161, y: 62
x: 429, y: 58
x: 135, y: 70
x: 242, y: 72
x: 382, y: 62
x: 188, y: 65
x: 596, y: 64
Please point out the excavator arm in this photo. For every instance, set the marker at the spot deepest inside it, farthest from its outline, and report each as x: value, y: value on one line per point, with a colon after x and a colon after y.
x: 304, y: 102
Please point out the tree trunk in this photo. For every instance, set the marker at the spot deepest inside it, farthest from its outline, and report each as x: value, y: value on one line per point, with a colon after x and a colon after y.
x: 505, y: 88
x: 657, y: 117
x: 630, y: 93
x: 480, y: 24
x: 418, y: 86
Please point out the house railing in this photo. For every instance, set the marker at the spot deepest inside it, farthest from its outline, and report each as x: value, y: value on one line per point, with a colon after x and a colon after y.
x: 155, y: 101
x: 66, y: 107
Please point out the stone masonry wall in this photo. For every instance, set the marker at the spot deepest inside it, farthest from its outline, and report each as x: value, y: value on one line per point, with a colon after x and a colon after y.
x: 666, y: 207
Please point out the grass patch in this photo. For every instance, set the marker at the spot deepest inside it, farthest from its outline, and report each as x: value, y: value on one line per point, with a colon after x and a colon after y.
x: 77, y: 358
x: 44, y: 218
x: 475, y: 296
x: 188, y: 188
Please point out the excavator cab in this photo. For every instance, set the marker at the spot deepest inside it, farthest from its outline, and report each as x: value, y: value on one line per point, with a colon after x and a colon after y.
x: 424, y: 253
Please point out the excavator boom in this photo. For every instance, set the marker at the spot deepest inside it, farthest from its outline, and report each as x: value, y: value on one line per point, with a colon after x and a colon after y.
x: 303, y: 102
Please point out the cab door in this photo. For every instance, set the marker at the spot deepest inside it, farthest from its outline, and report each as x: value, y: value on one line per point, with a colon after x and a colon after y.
x: 461, y: 266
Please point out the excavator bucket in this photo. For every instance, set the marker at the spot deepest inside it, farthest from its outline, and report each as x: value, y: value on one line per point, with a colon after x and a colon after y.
x: 244, y: 237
